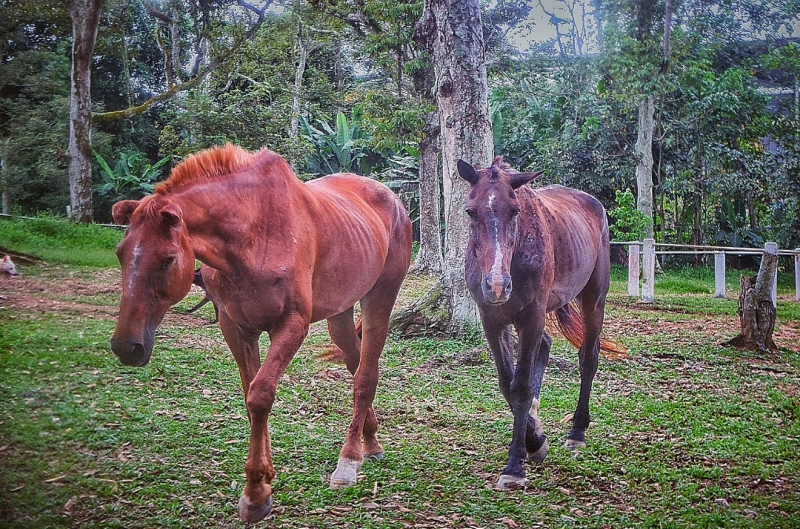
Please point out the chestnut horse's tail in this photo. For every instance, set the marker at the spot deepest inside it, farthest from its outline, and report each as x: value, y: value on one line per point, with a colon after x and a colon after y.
x: 568, y: 321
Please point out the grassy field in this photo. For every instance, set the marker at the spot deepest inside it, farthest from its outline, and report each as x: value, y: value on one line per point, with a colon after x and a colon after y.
x: 685, y: 433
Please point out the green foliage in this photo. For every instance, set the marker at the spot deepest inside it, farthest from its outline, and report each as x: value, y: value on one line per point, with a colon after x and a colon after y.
x: 337, y: 150
x: 733, y: 229
x: 131, y: 178
x: 630, y: 224
x: 34, y: 112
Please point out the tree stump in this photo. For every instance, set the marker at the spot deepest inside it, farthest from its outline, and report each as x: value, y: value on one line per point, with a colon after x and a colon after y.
x: 756, y: 309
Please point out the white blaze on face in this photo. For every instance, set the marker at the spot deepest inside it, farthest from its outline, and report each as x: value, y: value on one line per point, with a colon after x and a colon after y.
x: 497, y: 266
x: 137, y: 254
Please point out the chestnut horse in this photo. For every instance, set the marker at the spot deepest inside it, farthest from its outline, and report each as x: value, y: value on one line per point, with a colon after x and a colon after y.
x: 531, y: 253
x: 280, y: 254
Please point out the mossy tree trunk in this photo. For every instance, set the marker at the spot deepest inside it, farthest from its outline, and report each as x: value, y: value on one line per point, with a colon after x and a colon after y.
x: 452, y: 32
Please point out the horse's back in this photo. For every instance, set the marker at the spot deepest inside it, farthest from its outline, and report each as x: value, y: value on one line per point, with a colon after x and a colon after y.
x: 352, y: 197
x: 571, y: 204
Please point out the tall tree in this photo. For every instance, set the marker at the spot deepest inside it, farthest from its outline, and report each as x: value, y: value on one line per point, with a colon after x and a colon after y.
x: 643, y: 151
x: 452, y: 33
x: 85, y: 15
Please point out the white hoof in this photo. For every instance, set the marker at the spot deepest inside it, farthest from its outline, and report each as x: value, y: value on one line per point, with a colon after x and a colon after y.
x: 346, y: 473
x: 539, y: 455
x: 252, y: 514
x: 573, y: 445
x: 507, y: 482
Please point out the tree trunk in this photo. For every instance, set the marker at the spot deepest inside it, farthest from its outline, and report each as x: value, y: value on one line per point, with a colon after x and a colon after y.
x: 452, y: 33
x: 5, y: 184
x: 175, y: 39
x: 644, y: 162
x: 85, y: 15
x: 756, y: 309
x: 429, y: 257
x: 302, y: 48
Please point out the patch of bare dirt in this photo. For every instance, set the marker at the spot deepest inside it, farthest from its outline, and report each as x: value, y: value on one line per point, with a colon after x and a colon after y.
x: 93, y: 295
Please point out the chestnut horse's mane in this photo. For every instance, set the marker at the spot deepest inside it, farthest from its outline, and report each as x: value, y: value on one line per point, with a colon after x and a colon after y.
x: 208, y: 164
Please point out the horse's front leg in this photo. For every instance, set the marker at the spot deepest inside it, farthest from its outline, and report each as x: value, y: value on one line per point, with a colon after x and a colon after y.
x: 535, y: 438
x: 285, y: 339
x: 521, y: 396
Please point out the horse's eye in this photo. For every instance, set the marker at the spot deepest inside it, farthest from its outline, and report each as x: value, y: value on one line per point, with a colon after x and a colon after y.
x: 470, y: 212
x: 167, y: 262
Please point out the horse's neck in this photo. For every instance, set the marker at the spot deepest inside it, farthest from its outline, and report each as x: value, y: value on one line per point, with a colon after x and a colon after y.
x: 218, y: 233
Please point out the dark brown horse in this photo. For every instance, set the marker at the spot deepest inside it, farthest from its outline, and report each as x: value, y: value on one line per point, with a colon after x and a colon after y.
x: 280, y: 254
x: 531, y: 253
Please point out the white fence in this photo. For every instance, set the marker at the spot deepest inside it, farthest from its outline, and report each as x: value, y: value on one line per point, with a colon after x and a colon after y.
x: 642, y: 261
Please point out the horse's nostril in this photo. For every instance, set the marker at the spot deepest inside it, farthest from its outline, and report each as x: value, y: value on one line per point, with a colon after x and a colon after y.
x: 129, y: 353
x: 138, y: 350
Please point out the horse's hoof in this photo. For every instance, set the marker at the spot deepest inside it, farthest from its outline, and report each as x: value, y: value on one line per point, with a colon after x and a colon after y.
x: 572, y: 444
x: 252, y: 514
x: 508, y: 482
x: 539, y: 455
x: 346, y: 473
x: 377, y: 456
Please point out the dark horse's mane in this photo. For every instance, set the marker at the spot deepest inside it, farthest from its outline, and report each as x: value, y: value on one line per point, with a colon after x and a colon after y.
x: 209, y: 164
x: 499, y: 169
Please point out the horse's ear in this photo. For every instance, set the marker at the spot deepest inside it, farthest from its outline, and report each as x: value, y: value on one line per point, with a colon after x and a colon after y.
x: 520, y: 179
x: 467, y: 172
x: 171, y: 214
x: 122, y: 211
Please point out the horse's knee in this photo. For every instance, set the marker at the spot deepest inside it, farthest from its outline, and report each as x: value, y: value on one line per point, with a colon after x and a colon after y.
x: 260, y: 398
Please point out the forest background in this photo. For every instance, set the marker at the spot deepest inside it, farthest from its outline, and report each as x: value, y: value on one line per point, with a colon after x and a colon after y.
x: 343, y: 86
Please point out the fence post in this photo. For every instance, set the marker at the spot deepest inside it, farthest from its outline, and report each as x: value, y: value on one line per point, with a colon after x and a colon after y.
x: 772, y: 248
x: 719, y: 275
x: 633, y: 270
x: 797, y: 274
x: 649, y: 261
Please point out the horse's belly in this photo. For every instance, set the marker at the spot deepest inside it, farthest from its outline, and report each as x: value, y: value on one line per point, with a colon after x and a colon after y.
x: 567, y: 288
x: 339, y: 290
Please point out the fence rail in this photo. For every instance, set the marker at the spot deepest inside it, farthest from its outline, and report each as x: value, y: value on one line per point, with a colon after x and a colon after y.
x: 642, y: 258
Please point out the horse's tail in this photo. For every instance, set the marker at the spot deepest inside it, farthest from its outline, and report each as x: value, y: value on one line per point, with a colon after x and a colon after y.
x: 568, y: 321
x: 335, y: 355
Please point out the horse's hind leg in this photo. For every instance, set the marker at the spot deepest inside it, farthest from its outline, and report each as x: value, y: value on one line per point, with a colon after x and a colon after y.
x: 592, y: 308
x: 346, y: 337
x: 535, y: 438
x: 376, y: 308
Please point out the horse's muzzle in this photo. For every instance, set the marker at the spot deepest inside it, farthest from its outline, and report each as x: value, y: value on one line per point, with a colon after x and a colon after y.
x: 131, y: 353
x: 496, y: 289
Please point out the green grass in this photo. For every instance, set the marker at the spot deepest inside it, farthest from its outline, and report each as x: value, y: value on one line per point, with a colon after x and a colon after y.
x: 685, y: 433
x: 690, y: 280
x: 57, y: 241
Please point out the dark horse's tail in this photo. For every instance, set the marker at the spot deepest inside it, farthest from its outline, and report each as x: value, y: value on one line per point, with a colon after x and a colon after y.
x: 568, y: 320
